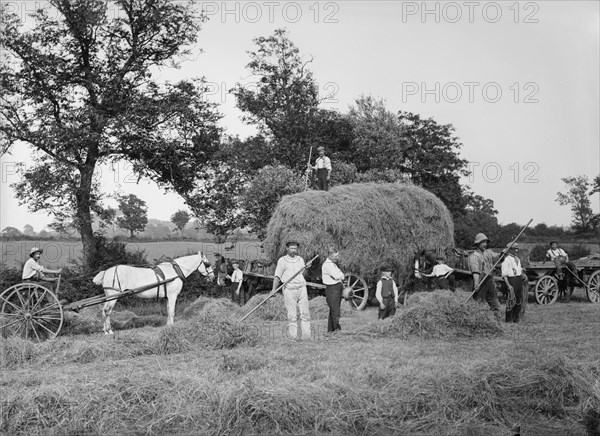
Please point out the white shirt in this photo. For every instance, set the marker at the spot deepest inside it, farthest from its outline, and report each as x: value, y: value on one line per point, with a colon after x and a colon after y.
x: 440, y: 270
x: 553, y: 254
x: 287, y: 267
x: 237, y: 276
x: 330, y: 273
x: 323, y: 162
x: 30, y: 268
x: 511, y: 267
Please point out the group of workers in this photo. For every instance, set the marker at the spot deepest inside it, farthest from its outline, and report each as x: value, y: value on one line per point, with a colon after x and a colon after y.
x: 291, y: 270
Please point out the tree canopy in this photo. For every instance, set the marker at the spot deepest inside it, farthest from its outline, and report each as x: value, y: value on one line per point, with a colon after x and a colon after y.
x: 78, y: 88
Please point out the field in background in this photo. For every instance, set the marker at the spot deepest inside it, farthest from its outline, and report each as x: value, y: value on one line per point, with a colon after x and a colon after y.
x: 61, y: 253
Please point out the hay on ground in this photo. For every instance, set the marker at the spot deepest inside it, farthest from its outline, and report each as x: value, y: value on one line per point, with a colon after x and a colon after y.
x: 371, y: 224
x: 440, y: 314
x: 215, y: 326
x: 196, y: 306
x: 89, y: 320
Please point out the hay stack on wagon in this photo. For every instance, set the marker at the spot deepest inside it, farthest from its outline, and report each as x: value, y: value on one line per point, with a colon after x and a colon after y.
x: 371, y: 224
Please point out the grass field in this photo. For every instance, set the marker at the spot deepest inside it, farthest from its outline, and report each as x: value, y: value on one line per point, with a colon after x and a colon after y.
x: 61, y: 253
x: 542, y: 374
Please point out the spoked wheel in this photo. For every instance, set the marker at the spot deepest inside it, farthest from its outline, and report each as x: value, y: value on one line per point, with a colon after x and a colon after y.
x: 546, y: 290
x: 31, y: 311
x: 360, y: 290
x: 593, y: 287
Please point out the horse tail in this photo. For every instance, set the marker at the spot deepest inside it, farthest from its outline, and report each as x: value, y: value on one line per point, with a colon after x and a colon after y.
x: 99, y: 278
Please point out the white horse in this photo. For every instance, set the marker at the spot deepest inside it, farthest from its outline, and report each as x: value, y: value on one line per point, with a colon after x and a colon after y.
x: 117, y: 279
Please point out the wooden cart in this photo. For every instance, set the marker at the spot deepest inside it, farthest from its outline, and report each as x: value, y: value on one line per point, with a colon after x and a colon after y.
x: 32, y: 310
x: 546, y: 286
x: 259, y: 277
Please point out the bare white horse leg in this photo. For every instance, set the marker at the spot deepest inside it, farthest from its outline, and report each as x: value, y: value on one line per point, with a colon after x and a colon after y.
x: 171, y: 309
x: 106, y: 311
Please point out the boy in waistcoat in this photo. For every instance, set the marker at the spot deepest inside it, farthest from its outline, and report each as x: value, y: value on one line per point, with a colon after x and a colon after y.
x: 386, y: 293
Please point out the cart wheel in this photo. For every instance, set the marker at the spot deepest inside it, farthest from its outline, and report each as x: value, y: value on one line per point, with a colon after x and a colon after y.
x: 546, y: 290
x: 360, y: 290
x: 593, y: 287
x: 31, y: 311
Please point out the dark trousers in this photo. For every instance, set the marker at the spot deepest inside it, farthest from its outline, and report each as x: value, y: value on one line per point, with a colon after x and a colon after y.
x: 513, y: 314
x: 389, y: 309
x: 236, y: 298
x: 333, y: 296
x: 487, y: 292
x: 445, y: 282
x: 322, y: 181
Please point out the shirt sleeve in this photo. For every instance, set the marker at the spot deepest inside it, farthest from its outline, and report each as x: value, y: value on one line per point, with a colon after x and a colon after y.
x: 378, y: 292
x: 475, y: 264
x: 395, y: 289
x: 506, y: 269
x: 279, y: 268
x: 445, y: 269
x: 327, y: 163
x: 339, y: 274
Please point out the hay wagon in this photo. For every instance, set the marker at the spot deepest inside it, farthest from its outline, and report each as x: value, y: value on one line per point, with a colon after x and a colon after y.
x: 32, y: 310
x: 259, y: 275
x: 370, y: 224
x: 546, y: 286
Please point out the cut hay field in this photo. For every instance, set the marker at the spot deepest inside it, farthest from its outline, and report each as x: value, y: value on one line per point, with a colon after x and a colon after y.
x: 61, y: 253
x: 453, y: 370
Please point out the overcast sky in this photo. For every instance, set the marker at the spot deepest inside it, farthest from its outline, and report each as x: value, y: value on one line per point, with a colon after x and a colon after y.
x: 518, y: 81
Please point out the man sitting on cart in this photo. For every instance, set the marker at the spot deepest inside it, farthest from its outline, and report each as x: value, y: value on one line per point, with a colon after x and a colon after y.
x: 561, y: 260
x: 32, y: 270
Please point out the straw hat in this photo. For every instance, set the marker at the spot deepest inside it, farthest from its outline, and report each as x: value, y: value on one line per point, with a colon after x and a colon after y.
x: 480, y: 238
x: 35, y: 250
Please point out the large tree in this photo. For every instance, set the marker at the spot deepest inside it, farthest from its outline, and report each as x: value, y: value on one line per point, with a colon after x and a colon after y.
x: 282, y: 101
x: 79, y: 88
x: 135, y: 214
x: 577, y: 196
x: 180, y: 219
x: 422, y: 149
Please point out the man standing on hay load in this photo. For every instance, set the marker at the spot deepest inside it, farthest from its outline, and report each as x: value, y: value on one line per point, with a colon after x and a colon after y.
x: 295, y: 294
x: 323, y: 167
x: 481, y: 263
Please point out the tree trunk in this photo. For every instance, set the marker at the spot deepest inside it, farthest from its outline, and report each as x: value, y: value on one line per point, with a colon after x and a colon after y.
x: 84, y: 216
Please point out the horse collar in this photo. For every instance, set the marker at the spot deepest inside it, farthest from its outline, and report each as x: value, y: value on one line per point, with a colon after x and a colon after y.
x: 177, y: 269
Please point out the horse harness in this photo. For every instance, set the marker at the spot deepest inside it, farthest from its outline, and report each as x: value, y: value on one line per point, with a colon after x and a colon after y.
x: 160, y: 276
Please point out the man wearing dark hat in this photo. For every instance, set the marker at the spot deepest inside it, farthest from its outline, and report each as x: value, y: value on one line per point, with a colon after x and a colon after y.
x: 512, y: 273
x: 295, y: 294
x: 323, y: 167
x: 481, y: 263
x: 32, y: 270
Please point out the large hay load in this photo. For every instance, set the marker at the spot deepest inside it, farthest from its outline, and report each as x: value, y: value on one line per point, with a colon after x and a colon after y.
x: 371, y: 224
